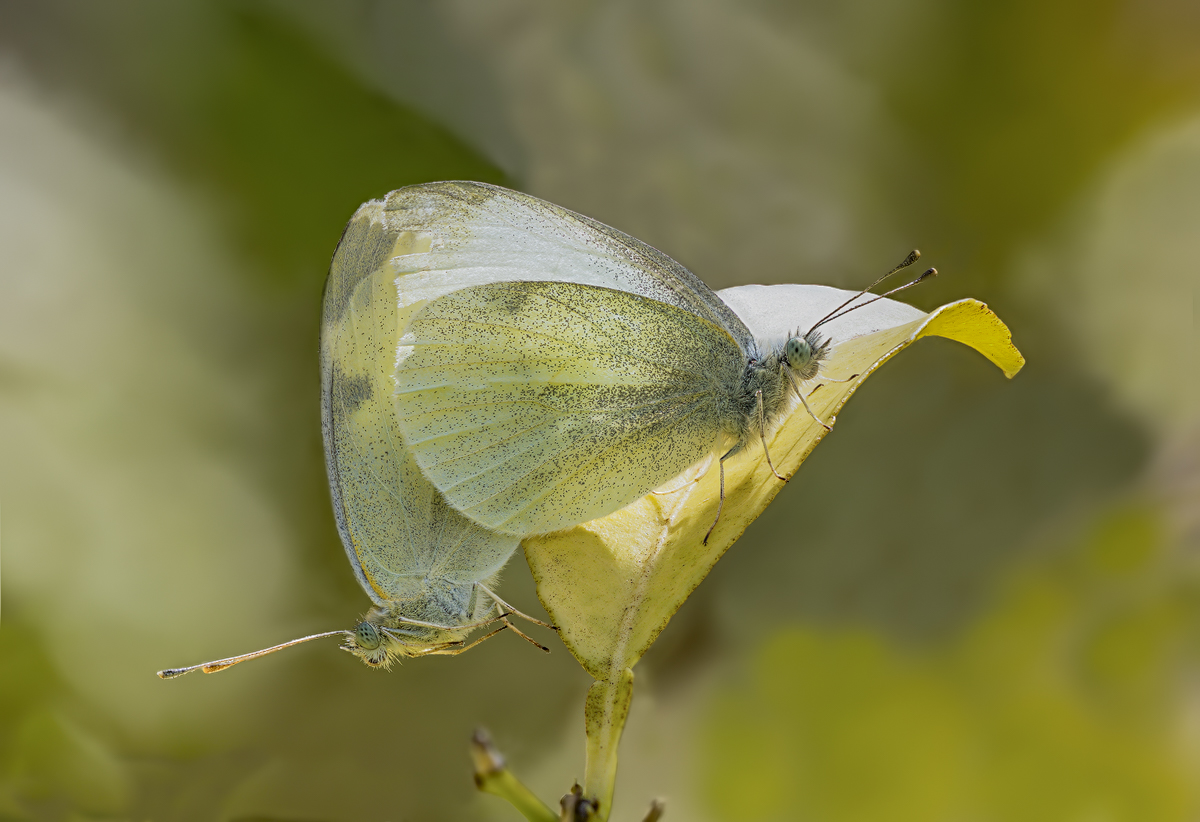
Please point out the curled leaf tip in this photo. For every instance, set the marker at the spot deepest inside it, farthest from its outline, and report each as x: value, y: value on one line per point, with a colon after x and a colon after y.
x: 972, y: 323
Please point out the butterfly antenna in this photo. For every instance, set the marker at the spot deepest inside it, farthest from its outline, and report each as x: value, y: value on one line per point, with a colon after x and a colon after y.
x: 912, y: 257
x: 222, y: 664
x: 931, y: 272
x: 925, y: 275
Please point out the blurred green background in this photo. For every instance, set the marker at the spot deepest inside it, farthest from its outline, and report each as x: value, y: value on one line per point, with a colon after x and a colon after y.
x: 978, y: 601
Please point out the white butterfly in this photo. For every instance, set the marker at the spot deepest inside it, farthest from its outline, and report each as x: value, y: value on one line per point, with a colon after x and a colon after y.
x: 558, y: 369
x: 428, y: 569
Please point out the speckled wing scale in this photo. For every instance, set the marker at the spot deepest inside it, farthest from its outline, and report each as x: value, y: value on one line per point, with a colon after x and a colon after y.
x: 529, y: 432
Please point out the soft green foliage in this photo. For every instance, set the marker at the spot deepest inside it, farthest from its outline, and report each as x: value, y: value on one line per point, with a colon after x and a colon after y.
x: 1012, y: 132
x: 1055, y: 706
x: 296, y: 143
x: 171, y: 198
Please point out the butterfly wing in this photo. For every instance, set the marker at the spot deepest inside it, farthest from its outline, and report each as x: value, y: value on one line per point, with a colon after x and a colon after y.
x: 533, y: 406
x: 397, y: 530
x: 473, y: 234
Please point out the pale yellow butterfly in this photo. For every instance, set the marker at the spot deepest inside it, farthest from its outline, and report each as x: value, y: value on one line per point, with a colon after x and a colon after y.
x: 428, y: 569
x: 559, y: 369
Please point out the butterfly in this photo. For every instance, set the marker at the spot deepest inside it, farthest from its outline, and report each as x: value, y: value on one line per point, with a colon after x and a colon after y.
x: 555, y: 369
x: 429, y: 570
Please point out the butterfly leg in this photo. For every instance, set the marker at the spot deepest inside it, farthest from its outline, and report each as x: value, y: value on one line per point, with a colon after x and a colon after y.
x: 468, y: 626
x: 524, y: 635
x: 721, y: 498
x: 762, y: 433
x: 689, y: 480
x: 811, y: 414
x: 506, y: 607
x: 449, y: 650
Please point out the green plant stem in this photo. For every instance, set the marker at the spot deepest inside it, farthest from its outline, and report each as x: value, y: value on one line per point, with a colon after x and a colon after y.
x: 605, y: 713
x: 492, y: 776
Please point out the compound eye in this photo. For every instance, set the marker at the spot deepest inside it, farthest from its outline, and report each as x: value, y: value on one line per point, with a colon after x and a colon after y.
x: 799, y: 352
x: 366, y: 636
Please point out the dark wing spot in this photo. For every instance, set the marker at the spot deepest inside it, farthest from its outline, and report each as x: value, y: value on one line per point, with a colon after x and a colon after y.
x: 352, y: 391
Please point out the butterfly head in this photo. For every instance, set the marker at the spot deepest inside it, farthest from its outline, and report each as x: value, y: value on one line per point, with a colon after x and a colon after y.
x: 371, y: 644
x: 804, y: 354
x: 388, y: 633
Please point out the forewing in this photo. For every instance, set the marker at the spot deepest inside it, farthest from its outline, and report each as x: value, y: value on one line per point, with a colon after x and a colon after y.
x: 534, y: 406
x: 396, y: 529
x: 478, y: 233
